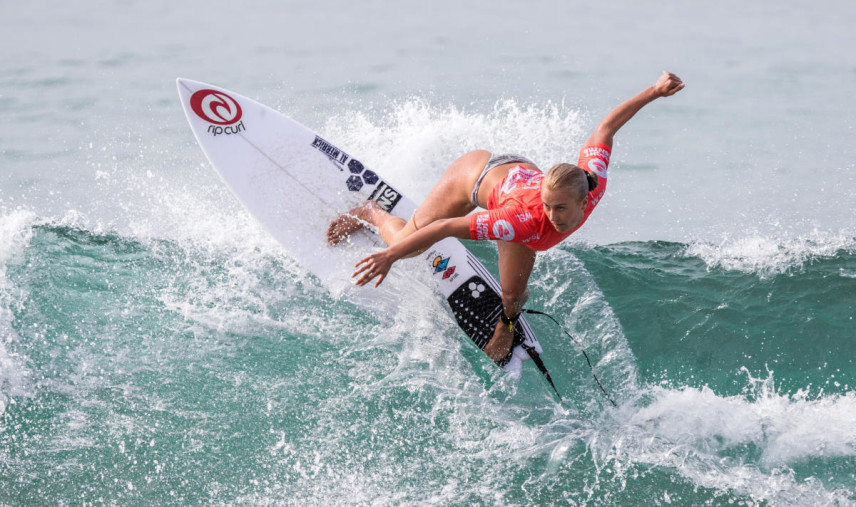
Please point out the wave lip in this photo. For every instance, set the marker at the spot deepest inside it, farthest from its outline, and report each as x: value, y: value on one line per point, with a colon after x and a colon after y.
x: 768, y: 256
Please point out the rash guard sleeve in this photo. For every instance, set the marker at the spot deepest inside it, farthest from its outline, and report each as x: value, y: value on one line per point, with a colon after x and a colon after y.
x: 595, y: 158
x: 507, y: 223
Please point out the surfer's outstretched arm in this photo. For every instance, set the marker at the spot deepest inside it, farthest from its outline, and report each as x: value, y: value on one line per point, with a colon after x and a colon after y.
x: 668, y: 84
x: 378, y: 264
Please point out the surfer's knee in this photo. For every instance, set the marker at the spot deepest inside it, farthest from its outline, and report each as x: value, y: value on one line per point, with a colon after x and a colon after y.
x: 392, y: 230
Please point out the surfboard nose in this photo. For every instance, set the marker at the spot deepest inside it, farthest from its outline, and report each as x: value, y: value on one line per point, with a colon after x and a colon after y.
x: 189, y: 85
x: 183, y: 86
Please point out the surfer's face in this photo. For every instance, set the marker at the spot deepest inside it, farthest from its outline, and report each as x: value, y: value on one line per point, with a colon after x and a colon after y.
x: 563, y: 211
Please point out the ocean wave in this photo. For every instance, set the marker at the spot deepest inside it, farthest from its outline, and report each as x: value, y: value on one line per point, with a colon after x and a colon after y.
x: 191, y: 312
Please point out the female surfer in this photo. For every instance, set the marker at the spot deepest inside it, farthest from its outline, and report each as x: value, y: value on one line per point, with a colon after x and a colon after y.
x: 526, y: 210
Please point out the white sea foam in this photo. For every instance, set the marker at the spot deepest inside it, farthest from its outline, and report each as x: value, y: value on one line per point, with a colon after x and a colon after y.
x: 15, y: 234
x: 412, y: 142
x: 746, y: 444
x: 766, y: 255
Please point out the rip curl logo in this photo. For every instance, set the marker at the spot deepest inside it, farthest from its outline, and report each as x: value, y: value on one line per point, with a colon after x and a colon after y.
x: 597, y: 166
x: 599, y: 159
x: 220, y: 109
x: 503, y: 230
x: 520, y: 178
x: 215, y: 107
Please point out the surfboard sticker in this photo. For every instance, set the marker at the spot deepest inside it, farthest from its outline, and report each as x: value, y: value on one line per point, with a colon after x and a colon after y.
x: 295, y: 182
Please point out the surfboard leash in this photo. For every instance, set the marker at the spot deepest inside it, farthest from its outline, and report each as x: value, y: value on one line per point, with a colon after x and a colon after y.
x: 540, y: 364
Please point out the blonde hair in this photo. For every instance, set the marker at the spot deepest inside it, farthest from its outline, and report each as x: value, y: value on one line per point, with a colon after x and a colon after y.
x: 569, y: 176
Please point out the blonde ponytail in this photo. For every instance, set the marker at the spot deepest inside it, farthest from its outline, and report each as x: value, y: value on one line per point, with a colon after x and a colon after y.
x: 579, y: 182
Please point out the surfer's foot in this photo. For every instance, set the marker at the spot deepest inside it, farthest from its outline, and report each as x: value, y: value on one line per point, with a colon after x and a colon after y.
x: 349, y: 223
x: 498, y: 346
x: 342, y: 228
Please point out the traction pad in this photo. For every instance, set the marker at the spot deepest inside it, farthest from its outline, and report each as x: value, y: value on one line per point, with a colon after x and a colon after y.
x: 476, y: 307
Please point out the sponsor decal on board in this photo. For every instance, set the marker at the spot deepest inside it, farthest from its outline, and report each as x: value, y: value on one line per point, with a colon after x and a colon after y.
x: 440, y: 264
x: 220, y: 109
x: 330, y: 150
x: 386, y: 196
x: 358, y: 176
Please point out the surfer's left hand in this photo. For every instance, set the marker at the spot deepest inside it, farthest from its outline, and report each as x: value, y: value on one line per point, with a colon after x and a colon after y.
x: 375, y: 265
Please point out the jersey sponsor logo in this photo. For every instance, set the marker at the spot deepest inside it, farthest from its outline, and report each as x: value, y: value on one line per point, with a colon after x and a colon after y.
x: 521, y: 178
x: 482, y: 228
x: 596, y: 152
x: 386, y: 196
x: 503, y: 230
x: 533, y: 237
x: 215, y: 107
x: 523, y: 217
x: 597, y: 166
x: 331, y: 151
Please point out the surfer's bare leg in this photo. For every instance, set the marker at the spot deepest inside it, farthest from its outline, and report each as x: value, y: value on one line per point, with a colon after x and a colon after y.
x: 449, y: 198
x: 515, y: 265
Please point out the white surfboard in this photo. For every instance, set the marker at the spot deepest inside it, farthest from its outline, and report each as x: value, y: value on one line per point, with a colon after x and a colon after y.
x: 295, y: 182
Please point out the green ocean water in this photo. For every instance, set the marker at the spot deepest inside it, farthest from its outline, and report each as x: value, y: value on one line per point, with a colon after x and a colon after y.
x: 164, y: 372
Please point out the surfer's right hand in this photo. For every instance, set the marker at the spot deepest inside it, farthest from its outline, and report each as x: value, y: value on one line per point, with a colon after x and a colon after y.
x: 377, y: 264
